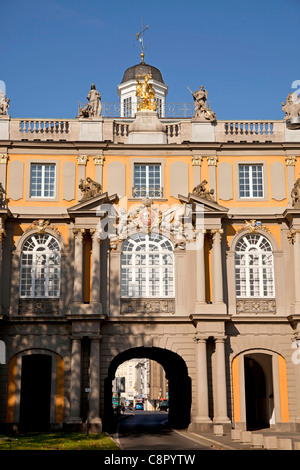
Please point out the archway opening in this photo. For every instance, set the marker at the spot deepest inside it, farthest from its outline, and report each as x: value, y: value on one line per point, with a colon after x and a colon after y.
x: 35, y: 393
x: 259, y: 391
x: 178, y: 382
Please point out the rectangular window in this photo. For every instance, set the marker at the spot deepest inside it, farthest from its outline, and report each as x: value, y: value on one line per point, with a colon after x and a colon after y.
x: 251, y: 181
x: 159, y: 106
x: 127, y: 107
x: 147, y: 180
x: 42, y: 180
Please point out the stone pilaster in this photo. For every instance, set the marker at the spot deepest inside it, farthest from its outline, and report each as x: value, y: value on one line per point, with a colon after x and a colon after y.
x: 290, y: 168
x: 202, y: 416
x: 2, y: 238
x: 220, y: 399
x: 196, y: 162
x: 217, y: 274
x: 78, y: 265
x: 296, y: 246
x: 99, y: 162
x: 96, y: 267
x: 94, y: 407
x: 82, y: 162
x: 3, y: 174
x: 212, y: 161
x: 200, y: 268
x: 75, y: 389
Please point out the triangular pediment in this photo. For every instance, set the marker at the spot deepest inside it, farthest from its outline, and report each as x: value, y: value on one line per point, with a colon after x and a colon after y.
x: 208, y: 205
x: 91, y: 206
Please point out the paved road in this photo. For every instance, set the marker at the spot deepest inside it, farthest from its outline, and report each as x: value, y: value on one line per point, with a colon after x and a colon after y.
x: 143, y: 430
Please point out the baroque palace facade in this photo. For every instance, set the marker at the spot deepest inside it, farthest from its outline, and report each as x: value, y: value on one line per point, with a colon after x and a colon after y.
x: 175, y: 239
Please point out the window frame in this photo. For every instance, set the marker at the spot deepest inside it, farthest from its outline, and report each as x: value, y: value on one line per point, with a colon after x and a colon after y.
x: 27, y: 280
x: 147, y: 161
x: 262, y: 163
x: 29, y: 197
x: 162, y: 274
x: 258, y: 273
x: 127, y: 106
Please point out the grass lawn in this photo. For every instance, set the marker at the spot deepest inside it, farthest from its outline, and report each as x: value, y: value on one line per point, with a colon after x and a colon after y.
x: 57, y: 441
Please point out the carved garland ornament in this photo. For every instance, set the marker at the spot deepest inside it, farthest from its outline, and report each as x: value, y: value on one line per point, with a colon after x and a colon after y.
x: 292, y: 235
x: 41, y: 225
x: 253, y: 226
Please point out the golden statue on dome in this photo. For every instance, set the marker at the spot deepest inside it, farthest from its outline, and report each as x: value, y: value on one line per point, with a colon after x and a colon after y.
x: 145, y: 93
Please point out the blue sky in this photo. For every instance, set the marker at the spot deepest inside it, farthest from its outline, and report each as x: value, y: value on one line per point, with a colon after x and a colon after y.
x: 245, y: 53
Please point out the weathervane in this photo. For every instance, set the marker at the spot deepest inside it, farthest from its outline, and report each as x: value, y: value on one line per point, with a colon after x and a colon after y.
x: 140, y: 38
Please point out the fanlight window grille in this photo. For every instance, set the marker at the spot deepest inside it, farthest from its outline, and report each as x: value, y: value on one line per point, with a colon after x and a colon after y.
x: 40, y: 267
x: 147, y: 267
x: 254, y: 273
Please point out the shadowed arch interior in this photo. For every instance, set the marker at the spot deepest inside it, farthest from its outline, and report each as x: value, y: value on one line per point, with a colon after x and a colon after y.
x: 176, y: 373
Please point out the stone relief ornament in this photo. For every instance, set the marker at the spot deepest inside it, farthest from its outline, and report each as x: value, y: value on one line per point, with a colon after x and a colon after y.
x: 150, y: 306
x: 146, y: 218
x: 295, y: 193
x: 145, y: 93
x: 253, y: 225
x: 89, y: 189
x: 93, y: 108
x: 256, y: 306
x: 41, y: 225
x: 291, y: 107
x: 202, y: 110
x: 202, y: 192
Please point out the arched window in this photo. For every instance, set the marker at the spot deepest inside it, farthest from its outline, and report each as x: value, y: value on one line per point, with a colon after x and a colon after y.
x: 254, y: 267
x: 40, y: 267
x: 147, y: 266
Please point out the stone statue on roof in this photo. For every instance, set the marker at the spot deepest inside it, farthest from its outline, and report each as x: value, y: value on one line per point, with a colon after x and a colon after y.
x: 4, y: 104
x: 202, y: 110
x: 93, y: 108
x: 291, y: 107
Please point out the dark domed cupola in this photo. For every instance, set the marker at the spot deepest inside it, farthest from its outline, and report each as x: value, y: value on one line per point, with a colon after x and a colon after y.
x: 127, y: 88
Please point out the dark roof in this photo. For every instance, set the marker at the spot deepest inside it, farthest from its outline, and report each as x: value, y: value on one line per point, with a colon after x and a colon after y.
x: 142, y: 69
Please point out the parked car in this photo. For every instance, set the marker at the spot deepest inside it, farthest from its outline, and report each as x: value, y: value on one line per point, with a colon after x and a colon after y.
x: 139, y: 406
x: 164, y: 405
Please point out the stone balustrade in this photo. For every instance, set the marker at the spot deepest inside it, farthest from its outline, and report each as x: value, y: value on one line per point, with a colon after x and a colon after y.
x: 177, y: 130
x: 120, y: 131
x: 173, y: 131
x: 249, y: 131
x: 44, y: 129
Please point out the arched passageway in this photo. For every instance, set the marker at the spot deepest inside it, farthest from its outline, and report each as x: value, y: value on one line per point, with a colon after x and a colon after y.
x: 178, y: 380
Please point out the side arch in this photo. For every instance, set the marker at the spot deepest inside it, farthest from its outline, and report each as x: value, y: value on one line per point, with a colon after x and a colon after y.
x: 57, y: 388
x: 271, y: 367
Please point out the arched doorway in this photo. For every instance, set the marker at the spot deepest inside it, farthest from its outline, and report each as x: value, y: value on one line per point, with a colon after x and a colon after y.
x: 179, y: 383
x: 35, y: 392
x: 258, y: 391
